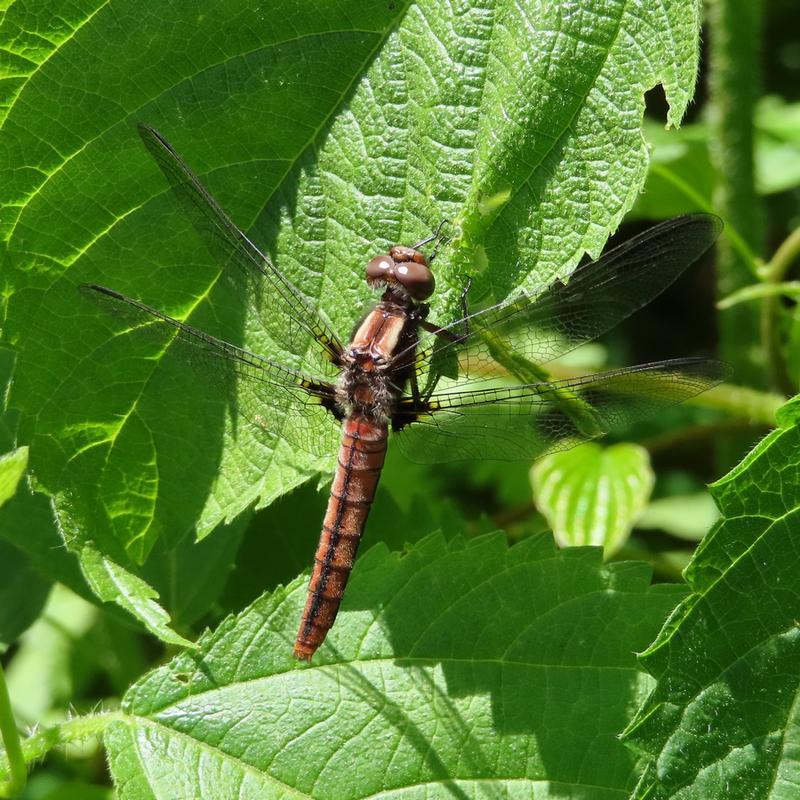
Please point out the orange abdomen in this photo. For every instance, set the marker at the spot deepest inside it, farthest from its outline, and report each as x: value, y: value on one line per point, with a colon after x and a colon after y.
x: 361, y: 457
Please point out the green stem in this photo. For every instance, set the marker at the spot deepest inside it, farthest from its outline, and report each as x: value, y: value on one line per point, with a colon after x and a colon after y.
x: 758, y: 291
x: 735, y: 239
x: 18, y: 773
x: 773, y: 273
x: 734, y: 84
x: 753, y: 405
x: 788, y: 252
x: 39, y: 744
x: 697, y: 435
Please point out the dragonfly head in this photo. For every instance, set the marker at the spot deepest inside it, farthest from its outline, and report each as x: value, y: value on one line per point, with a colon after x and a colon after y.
x: 404, y: 269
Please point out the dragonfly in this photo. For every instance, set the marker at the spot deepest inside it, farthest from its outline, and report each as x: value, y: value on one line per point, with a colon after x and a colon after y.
x: 438, y: 392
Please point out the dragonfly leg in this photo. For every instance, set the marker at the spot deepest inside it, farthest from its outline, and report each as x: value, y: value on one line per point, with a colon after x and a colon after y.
x: 433, y: 328
x: 430, y: 388
x: 446, y: 334
x: 464, y: 307
x: 415, y: 395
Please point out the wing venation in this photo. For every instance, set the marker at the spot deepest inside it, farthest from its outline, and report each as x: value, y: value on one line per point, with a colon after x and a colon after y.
x: 527, y: 421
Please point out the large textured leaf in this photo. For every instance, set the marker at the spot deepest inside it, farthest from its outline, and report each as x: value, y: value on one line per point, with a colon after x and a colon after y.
x: 593, y: 494
x: 328, y: 131
x: 457, y: 670
x: 722, y: 720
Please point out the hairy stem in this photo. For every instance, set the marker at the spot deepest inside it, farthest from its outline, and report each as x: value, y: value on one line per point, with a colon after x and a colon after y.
x: 40, y: 743
x: 736, y: 241
x: 734, y: 33
x: 17, y: 771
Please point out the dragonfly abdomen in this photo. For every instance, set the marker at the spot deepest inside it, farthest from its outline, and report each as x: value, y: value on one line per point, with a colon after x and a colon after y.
x: 361, y: 456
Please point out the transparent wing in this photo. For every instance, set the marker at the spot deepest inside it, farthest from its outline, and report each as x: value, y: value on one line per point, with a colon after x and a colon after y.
x: 526, y: 422
x: 599, y: 295
x: 272, y: 298
x: 282, y: 403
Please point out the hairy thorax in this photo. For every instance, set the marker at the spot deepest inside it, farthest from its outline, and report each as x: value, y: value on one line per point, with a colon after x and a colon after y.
x: 370, y: 383
x: 369, y: 393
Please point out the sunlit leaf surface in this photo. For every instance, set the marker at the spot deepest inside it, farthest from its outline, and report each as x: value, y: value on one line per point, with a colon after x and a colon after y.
x: 457, y: 670
x: 12, y: 468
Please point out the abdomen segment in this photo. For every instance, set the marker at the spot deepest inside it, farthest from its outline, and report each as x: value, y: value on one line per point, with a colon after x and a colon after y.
x: 361, y: 457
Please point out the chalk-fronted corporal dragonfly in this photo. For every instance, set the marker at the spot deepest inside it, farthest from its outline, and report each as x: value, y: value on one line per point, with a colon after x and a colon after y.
x: 437, y: 388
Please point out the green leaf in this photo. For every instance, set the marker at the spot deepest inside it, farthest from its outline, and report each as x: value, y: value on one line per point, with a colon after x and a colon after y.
x: 12, y: 468
x: 126, y: 426
x: 113, y: 583
x: 685, y: 516
x: 41, y: 675
x: 720, y: 721
x: 328, y: 133
x: 592, y: 495
x: 281, y: 540
x: 23, y: 593
x: 190, y: 576
x: 455, y: 670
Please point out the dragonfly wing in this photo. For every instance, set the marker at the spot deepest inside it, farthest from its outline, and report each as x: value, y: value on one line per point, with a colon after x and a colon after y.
x: 528, y: 421
x: 553, y: 320
x: 280, y: 402
x: 271, y: 297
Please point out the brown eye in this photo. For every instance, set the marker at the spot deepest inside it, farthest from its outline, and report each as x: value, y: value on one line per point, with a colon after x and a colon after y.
x: 380, y: 268
x: 416, y: 279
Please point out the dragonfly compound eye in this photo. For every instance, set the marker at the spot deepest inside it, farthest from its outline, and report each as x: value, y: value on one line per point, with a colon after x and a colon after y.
x: 405, y: 268
x: 381, y: 270
x: 416, y: 279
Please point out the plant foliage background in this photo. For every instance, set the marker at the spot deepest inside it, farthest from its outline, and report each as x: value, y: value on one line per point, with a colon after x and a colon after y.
x: 153, y: 547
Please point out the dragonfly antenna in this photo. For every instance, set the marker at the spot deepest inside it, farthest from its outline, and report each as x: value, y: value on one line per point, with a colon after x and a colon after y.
x: 436, y: 236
